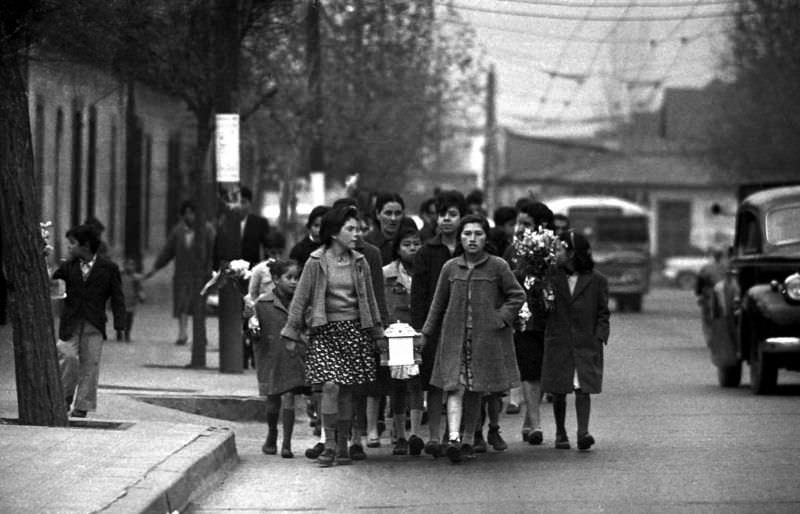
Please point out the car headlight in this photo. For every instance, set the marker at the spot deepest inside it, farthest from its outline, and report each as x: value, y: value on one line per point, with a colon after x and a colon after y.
x: 792, y: 286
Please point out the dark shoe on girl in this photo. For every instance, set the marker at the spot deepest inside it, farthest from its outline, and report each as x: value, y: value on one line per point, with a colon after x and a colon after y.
x: 400, y: 447
x: 433, y: 448
x: 415, y: 445
x: 357, y: 452
x: 562, y: 442
x: 326, y: 458
x: 315, y: 451
x: 453, y: 451
x: 536, y: 437
x: 494, y: 439
x: 286, y: 453
x: 585, y: 441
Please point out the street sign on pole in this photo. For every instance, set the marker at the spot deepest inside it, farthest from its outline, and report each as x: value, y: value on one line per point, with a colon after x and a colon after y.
x: 227, y: 147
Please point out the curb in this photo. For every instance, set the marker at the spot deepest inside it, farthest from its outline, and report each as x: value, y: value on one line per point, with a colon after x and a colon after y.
x: 169, y: 486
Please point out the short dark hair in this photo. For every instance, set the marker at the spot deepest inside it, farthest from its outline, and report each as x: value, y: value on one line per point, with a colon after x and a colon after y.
x: 280, y: 266
x: 426, y: 205
x: 406, y: 229
x: 186, y: 205
x: 561, y: 217
x: 539, y: 212
x: 345, y: 202
x: 577, y: 243
x: 246, y: 193
x: 85, y: 235
x: 475, y: 196
x: 473, y: 218
x: 334, y: 220
x: 96, y: 223
x: 383, y: 198
x: 317, y: 212
x: 447, y: 199
x: 504, y: 214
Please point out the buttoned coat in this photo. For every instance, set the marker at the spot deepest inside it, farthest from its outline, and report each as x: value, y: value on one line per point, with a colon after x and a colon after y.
x: 278, y: 370
x: 577, y: 329
x: 493, y: 296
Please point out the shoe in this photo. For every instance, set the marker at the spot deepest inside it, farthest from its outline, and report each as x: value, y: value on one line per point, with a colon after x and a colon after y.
x: 512, y: 408
x: 480, y: 443
x: 326, y: 458
x: 343, y: 457
x: 77, y: 413
x: 562, y: 442
x: 357, y: 452
x: 494, y: 439
x: 453, y: 451
x: 467, y: 452
x: 315, y: 451
x: 400, y: 447
x: 434, y: 449
x: 535, y: 437
x: 585, y: 441
x: 526, y: 433
x: 415, y: 445
x: 181, y: 341
x: 286, y: 453
x: 269, y: 448
x: 374, y: 442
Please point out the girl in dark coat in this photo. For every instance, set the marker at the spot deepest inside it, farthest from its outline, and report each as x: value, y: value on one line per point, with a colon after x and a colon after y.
x: 577, y: 329
x: 473, y: 310
x: 279, y: 363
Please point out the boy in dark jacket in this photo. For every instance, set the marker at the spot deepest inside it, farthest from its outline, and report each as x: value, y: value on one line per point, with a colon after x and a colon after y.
x: 91, y: 280
x: 428, y: 263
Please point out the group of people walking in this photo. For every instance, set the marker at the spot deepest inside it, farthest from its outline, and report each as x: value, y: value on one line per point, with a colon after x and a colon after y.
x: 323, y: 317
x: 488, y: 326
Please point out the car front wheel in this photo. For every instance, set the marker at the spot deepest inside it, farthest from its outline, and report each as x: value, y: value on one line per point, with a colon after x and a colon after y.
x: 763, y: 372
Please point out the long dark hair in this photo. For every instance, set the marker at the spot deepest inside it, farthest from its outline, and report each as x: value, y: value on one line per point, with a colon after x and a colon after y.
x: 582, y: 251
x: 333, y: 221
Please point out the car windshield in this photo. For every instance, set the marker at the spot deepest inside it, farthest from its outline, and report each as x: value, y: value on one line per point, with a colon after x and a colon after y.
x: 782, y: 225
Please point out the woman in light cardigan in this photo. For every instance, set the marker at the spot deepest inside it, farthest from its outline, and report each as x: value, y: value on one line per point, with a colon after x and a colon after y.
x: 335, y: 301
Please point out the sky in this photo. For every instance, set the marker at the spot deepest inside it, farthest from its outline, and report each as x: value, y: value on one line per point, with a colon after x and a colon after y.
x: 564, y: 67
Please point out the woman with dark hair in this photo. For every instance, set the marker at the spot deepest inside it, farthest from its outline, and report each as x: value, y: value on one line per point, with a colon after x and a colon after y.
x: 343, y: 320
x: 389, y: 212
x: 474, y: 307
x: 279, y: 363
x: 577, y: 329
x: 405, y: 385
x: 181, y: 247
x: 311, y: 242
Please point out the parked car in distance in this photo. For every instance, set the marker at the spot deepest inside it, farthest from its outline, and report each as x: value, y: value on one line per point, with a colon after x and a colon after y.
x: 682, y: 270
x: 756, y: 311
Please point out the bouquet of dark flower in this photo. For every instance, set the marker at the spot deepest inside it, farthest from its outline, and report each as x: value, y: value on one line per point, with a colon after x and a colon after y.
x: 535, y: 251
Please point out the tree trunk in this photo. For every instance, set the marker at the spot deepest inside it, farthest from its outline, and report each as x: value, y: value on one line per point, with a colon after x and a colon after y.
x: 40, y: 398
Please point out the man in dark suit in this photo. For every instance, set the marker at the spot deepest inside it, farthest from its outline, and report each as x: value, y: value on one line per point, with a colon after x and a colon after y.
x: 254, y: 230
x: 91, y: 280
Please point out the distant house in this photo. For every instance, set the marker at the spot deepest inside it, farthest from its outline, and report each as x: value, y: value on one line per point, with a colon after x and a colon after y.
x: 659, y: 160
x: 109, y: 149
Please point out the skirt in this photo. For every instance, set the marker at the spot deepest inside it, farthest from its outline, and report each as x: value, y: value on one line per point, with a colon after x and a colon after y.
x: 529, y: 346
x: 341, y: 352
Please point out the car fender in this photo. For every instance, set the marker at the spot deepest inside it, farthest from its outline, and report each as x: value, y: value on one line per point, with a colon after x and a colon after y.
x: 763, y: 301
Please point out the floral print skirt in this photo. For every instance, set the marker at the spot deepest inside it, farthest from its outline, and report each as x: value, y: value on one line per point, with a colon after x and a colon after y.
x: 341, y: 352
x: 466, y: 377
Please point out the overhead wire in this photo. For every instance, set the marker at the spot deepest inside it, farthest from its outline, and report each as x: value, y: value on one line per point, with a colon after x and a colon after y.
x: 658, y: 4
x: 614, y: 19
x: 575, y: 30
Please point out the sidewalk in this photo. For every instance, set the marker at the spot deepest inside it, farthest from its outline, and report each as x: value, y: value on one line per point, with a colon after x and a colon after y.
x: 129, y: 455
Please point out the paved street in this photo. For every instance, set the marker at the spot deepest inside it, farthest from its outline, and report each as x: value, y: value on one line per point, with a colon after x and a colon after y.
x: 668, y: 440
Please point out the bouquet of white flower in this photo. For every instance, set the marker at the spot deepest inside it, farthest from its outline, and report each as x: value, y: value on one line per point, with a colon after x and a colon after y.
x: 535, y: 251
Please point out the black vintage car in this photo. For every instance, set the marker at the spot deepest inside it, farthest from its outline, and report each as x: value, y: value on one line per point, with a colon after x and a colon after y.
x: 756, y: 311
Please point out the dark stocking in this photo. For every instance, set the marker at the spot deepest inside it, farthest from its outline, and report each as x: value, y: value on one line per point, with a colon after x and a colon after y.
x: 583, y: 406
x: 288, y: 428
x: 273, y: 410
x: 560, y: 412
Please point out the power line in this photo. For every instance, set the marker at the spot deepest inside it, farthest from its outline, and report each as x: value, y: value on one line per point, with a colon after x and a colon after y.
x: 611, y: 4
x: 718, y: 14
x: 582, y: 39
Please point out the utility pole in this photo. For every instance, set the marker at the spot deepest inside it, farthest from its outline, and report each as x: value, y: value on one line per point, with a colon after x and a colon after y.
x: 316, y: 149
x: 228, y: 246
x: 490, y: 144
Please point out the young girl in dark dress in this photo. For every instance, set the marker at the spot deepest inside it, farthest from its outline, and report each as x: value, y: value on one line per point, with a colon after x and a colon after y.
x: 279, y: 361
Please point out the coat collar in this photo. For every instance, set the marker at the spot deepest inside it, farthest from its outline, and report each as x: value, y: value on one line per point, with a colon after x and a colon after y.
x: 562, y: 286
x: 319, y: 254
x: 462, y: 260
x: 274, y: 300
